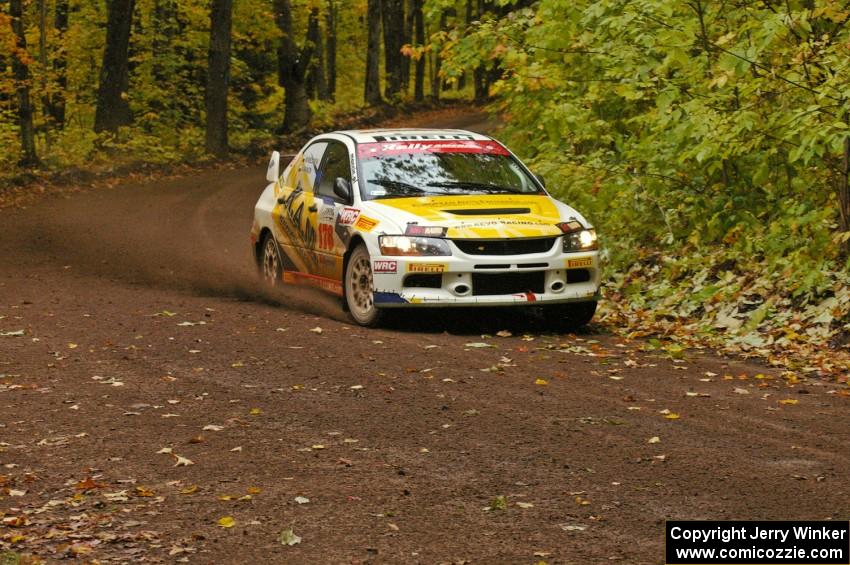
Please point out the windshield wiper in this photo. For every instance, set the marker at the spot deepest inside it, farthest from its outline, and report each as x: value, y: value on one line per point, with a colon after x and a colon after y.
x: 491, y: 188
x: 396, y: 185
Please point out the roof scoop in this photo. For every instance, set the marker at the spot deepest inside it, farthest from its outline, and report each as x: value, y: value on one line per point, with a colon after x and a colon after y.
x: 488, y: 211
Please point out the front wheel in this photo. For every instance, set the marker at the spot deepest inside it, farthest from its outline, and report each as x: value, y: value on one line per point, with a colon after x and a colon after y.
x: 271, y: 265
x: 359, y: 289
x: 569, y: 317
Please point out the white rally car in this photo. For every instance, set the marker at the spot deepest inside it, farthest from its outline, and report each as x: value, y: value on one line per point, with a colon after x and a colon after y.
x: 410, y: 218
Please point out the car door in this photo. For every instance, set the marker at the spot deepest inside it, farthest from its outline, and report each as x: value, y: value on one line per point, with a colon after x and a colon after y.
x: 334, y: 212
x: 296, y: 213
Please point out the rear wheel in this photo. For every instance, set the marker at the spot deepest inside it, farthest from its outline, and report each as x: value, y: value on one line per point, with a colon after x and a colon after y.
x: 569, y: 317
x: 271, y: 265
x: 359, y: 289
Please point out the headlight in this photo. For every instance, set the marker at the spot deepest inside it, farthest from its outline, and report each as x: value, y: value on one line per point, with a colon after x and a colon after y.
x: 583, y: 240
x: 406, y: 245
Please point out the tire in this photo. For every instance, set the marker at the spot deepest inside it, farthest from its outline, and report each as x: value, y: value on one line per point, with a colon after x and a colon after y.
x: 359, y: 289
x: 569, y: 317
x: 271, y: 263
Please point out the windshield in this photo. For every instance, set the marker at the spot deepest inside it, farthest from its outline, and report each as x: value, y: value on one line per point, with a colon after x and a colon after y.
x: 439, y: 168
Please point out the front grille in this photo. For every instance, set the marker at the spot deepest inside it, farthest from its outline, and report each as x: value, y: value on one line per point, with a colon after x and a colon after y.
x: 485, y: 284
x: 505, y: 246
x: 423, y: 281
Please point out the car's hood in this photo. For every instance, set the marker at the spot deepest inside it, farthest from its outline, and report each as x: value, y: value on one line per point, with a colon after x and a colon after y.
x: 480, y: 216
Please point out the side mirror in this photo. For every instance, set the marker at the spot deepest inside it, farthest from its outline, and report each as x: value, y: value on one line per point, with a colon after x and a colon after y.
x: 342, y: 188
x: 540, y: 178
x: 273, y: 172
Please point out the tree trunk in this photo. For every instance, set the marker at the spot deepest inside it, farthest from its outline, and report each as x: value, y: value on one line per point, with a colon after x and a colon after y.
x: 419, y: 38
x: 393, y: 20
x: 42, y: 63
x: 461, y: 81
x: 292, y: 67
x: 56, y: 104
x: 317, y: 84
x: 22, y: 78
x: 113, y: 107
x: 218, y: 76
x: 373, y: 53
x: 406, y: 38
x: 479, y: 75
x: 330, y: 49
x: 436, y: 79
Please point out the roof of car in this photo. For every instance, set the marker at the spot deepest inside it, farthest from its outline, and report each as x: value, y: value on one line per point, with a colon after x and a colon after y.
x: 410, y: 134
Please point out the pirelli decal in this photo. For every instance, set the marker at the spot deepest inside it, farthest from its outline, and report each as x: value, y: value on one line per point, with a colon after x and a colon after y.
x: 365, y: 224
x: 580, y: 263
x: 427, y: 267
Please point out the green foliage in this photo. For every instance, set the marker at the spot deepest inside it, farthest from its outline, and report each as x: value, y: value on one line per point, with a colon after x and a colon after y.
x: 700, y: 131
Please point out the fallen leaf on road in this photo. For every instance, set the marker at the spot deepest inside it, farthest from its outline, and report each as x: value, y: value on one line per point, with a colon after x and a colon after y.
x: 182, y: 461
x: 190, y: 490
x: 654, y: 439
x: 302, y: 499
x: 288, y: 537
x: 227, y: 522
x: 166, y: 450
x: 213, y: 428
x: 672, y: 416
x: 504, y: 333
x: 541, y: 382
x: 317, y: 330
x: 14, y: 333
x: 525, y: 505
x: 478, y: 345
x: 789, y: 401
x: 498, y: 503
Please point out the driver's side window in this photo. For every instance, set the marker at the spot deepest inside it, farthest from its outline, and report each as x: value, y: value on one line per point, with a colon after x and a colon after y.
x: 335, y: 165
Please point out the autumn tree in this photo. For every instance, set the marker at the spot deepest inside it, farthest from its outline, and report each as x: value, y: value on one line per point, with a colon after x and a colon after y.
x: 113, y: 106
x: 20, y: 61
x: 293, y: 62
x: 373, y: 53
x: 419, y: 38
x: 56, y: 100
x: 392, y: 13
x: 218, y: 76
x: 330, y: 48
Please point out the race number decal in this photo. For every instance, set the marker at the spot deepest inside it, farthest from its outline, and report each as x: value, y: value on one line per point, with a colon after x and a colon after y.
x: 326, y: 237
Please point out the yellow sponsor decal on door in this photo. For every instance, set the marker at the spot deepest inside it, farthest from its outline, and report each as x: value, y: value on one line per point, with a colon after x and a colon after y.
x: 426, y: 267
x: 580, y: 263
x: 365, y: 224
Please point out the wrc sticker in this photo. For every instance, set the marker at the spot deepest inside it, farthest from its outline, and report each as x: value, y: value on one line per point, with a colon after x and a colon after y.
x: 348, y: 216
x: 384, y: 266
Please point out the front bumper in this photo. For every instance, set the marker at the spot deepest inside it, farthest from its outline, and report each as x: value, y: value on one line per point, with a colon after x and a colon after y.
x: 486, y: 280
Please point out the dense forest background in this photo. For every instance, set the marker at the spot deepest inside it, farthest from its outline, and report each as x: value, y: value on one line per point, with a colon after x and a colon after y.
x: 709, y: 141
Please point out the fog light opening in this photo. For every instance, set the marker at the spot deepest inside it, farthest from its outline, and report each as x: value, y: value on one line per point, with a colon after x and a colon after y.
x: 461, y: 289
x: 557, y: 286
